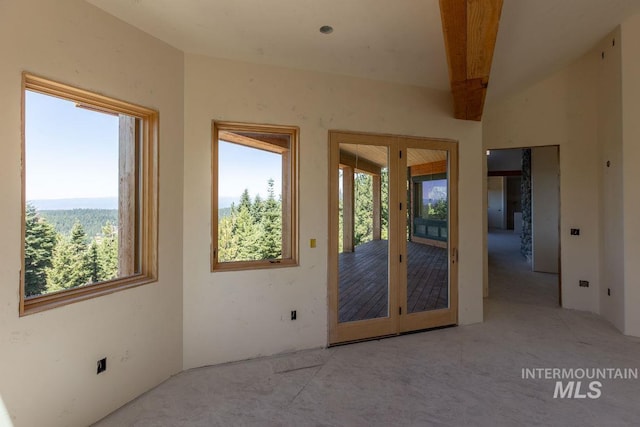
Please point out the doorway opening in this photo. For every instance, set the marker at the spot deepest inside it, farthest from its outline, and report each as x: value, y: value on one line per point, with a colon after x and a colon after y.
x: 523, y: 225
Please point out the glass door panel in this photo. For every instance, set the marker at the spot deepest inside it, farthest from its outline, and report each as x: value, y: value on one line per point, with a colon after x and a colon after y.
x: 427, y: 230
x: 363, y: 246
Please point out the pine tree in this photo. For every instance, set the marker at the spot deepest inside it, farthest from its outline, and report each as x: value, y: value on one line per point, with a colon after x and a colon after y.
x: 246, y: 235
x: 253, y: 230
x: 227, y: 245
x: 257, y: 208
x: 40, y: 241
x: 94, y: 265
x: 59, y: 275
x: 108, y: 253
x: 245, y: 200
x: 384, y: 205
x: 271, y: 226
x: 363, y: 227
x: 71, y: 266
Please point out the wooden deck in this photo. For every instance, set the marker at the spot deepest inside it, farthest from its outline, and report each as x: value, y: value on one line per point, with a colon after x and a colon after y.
x: 363, y: 292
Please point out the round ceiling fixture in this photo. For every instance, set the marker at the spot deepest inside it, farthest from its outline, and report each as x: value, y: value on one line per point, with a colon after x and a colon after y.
x: 326, y: 29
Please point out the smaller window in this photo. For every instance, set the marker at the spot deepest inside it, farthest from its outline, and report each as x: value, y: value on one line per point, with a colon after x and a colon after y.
x: 254, y: 187
x: 90, y: 195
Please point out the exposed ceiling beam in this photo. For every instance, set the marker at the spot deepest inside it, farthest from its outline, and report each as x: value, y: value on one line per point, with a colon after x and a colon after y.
x: 470, y: 29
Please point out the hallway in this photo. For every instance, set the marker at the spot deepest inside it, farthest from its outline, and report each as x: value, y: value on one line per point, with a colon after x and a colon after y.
x: 467, y: 375
x: 510, y: 276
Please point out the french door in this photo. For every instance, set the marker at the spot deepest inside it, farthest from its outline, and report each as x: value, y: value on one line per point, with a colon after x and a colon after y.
x: 393, y: 235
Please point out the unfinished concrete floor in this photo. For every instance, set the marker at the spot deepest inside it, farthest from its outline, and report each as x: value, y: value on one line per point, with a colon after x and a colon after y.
x: 463, y: 376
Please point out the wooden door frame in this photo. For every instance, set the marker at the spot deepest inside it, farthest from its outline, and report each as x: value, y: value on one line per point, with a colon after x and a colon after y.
x: 358, y: 330
x: 442, y: 317
x: 395, y: 323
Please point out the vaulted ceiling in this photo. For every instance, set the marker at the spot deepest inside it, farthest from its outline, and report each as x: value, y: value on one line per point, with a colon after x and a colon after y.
x: 396, y: 41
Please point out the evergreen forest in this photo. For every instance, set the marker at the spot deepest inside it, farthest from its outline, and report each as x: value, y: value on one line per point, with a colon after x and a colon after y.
x: 363, y: 215
x: 252, y: 229
x: 92, y: 220
x: 56, y: 259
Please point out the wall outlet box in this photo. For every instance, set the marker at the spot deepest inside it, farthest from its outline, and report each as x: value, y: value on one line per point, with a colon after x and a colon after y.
x: 294, y: 315
x: 584, y: 283
x: 102, y: 365
x: 575, y: 231
x: 312, y: 243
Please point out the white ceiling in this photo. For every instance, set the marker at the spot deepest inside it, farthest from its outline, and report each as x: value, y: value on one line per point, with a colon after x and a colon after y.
x: 538, y: 37
x: 398, y: 41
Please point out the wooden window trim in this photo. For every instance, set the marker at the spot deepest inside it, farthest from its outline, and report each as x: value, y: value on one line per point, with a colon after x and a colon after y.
x: 290, y: 180
x: 148, y: 199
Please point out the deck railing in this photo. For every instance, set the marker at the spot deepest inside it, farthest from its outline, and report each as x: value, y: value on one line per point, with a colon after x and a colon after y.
x: 436, y: 229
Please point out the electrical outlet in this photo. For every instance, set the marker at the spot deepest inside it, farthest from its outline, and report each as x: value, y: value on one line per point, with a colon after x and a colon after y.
x: 312, y: 243
x: 575, y: 231
x: 294, y: 315
x: 102, y: 365
x: 584, y: 283
x: 609, y: 291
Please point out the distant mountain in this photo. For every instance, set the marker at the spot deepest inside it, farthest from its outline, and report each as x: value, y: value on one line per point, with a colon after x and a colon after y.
x: 222, y: 212
x: 98, y: 203
x: 80, y: 203
x: 225, y: 202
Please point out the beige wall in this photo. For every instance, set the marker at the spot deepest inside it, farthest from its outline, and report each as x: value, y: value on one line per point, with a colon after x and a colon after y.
x: 48, y: 360
x: 238, y: 315
x: 590, y: 108
x: 562, y: 110
x: 609, y: 87
x: 631, y: 171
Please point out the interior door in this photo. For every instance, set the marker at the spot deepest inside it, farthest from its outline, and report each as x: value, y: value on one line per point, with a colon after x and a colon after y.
x: 495, y: 202
x: 393, y: 231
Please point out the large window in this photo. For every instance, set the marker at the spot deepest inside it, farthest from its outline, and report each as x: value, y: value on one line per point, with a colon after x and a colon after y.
x: 89, y: 192
x: 254, y: 196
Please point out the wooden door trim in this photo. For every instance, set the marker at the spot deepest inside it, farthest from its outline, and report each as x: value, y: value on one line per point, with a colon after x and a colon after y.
x: 357, y: 330
x: 443, y: 317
